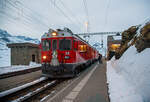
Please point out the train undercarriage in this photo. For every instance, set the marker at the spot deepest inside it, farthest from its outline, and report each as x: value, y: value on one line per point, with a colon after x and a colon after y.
x: 64, y: 70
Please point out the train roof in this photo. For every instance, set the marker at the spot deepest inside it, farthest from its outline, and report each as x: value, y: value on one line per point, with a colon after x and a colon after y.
x: 66, y: 32
x: 58, y: 33
x: 61, y: 33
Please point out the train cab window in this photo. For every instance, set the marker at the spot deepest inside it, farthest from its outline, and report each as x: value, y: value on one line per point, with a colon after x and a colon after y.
x: 64, y: 44
x: 46, y: 45
x: 54, y: 45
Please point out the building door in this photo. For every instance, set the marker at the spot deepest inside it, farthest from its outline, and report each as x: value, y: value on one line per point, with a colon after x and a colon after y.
x: 33, y: 58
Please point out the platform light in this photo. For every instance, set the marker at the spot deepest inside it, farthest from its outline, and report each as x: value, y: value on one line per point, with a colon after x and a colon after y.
x: 86, y: 24
x: 44, y: 57
x: 115, y: 46
x: 54, y: 34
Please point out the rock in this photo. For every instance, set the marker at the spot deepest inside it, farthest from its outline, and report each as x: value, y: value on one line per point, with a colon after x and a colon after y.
x: 143, y: 40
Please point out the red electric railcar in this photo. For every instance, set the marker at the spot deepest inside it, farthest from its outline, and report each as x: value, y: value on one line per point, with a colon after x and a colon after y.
x: 63, y: 53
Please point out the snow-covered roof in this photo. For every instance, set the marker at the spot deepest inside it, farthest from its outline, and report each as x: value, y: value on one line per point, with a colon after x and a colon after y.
x: 117, y: 37
x: 60, y: 33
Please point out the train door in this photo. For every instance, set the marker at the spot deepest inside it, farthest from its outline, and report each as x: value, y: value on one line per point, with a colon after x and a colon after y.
x: 33, y: 58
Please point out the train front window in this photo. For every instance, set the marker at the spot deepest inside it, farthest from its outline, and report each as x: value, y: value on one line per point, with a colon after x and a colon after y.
x: 46, y: 45
x: 65, y: 44
x: 54, y: 45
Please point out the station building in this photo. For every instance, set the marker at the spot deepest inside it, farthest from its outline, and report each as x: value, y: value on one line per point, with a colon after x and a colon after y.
x: 24, y: 53
x: 113, y: 43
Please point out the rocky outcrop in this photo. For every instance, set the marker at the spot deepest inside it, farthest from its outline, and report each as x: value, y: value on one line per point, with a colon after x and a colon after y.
x: 143, y: 41
x: 135, y: 35
x: 128, y: 37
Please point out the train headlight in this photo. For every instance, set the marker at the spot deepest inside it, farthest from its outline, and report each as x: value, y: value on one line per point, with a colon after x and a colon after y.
x: 44, y: 57
x: 54, y: 34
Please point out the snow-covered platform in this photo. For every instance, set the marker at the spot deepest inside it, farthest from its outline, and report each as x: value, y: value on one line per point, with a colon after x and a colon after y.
x: 90, y: 86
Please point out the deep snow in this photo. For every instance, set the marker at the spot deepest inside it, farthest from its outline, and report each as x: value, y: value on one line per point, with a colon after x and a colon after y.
x: 128, y: 77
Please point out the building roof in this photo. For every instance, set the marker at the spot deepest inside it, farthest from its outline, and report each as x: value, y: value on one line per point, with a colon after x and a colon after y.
x: 22, y: 44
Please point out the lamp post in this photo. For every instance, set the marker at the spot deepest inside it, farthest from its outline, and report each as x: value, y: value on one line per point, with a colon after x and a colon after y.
x: 87, y: 31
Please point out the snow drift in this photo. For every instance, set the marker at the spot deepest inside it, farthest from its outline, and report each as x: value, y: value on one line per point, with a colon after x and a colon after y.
x: 128, y: 77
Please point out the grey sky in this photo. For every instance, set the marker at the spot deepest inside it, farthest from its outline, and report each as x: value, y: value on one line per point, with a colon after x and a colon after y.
x: 34, y: 17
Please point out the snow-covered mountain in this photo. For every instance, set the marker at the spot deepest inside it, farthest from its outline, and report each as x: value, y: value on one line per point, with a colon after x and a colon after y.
x: 6, y: 38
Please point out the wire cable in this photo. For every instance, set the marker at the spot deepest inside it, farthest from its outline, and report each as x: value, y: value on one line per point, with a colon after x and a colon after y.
x: 107, y: 12
x: 63, y: 13
x: 71, y: 13
x: 87, y: 15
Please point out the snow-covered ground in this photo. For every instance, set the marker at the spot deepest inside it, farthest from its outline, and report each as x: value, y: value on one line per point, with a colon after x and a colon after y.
x: 128, y: 77
x: 17, y: 68
x: 4, y: 56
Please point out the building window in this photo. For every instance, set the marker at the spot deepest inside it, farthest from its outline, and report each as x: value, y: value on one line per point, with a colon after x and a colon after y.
x: 33, y: 58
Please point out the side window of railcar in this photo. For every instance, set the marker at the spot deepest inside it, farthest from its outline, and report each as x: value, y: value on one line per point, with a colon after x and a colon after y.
x: 64, y: 44
x: 46, y: 45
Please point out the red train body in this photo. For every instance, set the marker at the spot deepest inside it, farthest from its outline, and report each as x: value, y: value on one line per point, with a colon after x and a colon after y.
x: 63, y: 53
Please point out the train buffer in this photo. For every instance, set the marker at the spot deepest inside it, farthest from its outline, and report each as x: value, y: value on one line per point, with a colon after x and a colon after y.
x: 90, y: 86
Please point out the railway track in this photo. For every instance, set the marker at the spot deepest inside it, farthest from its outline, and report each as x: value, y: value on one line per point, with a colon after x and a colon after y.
x: 36, y: 90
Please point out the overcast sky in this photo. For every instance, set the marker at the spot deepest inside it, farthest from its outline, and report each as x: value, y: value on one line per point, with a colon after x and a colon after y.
x: 34, y: 17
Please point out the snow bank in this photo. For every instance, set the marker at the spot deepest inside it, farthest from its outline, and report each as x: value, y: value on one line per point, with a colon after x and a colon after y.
x: 128, y: 77
x: 34, y: 64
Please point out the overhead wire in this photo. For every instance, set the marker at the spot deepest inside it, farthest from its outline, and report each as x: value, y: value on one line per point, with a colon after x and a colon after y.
x: 106, y: 14
x: 11, y: 18
x: 36, y: 13
x: 71, y: 13
x: 86, y: 13
x: 28, y: 18
x: 64, y: 14
x: 34, y: 17
x: 106, y: 20
x: 86, y: 9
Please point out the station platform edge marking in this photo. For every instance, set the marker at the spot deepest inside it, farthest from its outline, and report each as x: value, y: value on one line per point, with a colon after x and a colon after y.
x: 49, y: 100
x: 73, y: 94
